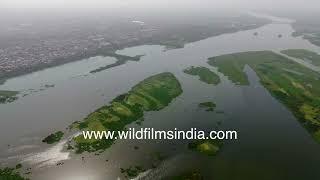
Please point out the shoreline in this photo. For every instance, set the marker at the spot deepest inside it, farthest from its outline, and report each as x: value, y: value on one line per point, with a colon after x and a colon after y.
x: 170, y: 44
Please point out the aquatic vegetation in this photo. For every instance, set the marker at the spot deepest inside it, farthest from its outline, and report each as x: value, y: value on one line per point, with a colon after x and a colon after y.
x: 70, y: 147
x: 151, y: 94
x: 10, y: 174
x: 209, y: 106
x: 205, y: 75
x: 316, y: 136
x: 207, y: 147
x: 53, y: 138
x: 8, y: 96
x: 303, y: 54
x: 18, y: 166
x: 298, y: 89
x: 49, y: 85
x: 132, y: 171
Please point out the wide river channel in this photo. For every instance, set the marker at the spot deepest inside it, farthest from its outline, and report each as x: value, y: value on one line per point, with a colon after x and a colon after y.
x: 272, y: 144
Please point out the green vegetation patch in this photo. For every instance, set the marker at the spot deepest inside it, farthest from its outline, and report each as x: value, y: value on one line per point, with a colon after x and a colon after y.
x: 53, y: 138
x: 207, y: 147
x: 303, y: 54
x: 298, y: 89
x: 121, y: 59
x: 18, y: 166
x: 205, y: 75
x: 8, y: 96
x: 132, y: 172
x: 151, y: 94
x: 209, y: 106
x: 10, y: 174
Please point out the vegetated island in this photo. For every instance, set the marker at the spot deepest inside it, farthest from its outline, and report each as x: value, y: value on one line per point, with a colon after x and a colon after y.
x: 53, y: 138
x: 49, y: 85
x: 209, y: 106
x: 10, y: 174
x: 293, y: 84
x: 8, y: 96
x: 304, y: 55
x: 121, y: 59
x: 152, y: 94
x: 207, y: 147
x: 205, y: 75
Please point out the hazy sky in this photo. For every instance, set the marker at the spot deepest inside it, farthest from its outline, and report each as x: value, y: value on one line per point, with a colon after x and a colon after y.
x: 159, y: 3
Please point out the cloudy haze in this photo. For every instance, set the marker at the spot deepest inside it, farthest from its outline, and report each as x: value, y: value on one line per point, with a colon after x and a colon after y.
x: 277, y: 4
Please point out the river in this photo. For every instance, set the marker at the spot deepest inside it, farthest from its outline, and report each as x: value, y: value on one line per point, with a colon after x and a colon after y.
x: 271, y: 145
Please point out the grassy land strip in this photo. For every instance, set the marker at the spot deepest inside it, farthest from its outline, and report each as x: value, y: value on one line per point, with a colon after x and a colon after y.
x: 151, y: 94
x: 209, y: 106
x: 303, y: 54
x: 10, y: 174
x: 53, y: 138
x: 295, y: 85
x: 121, y: 59
x: 205, y: 75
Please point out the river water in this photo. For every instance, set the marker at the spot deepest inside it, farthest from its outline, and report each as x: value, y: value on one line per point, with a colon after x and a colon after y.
x: 271, y: 145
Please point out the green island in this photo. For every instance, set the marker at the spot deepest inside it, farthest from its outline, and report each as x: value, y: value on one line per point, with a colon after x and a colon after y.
x: 205, y: 75
x: 8, y: 96
x: 209, y: 106
x: 293, y: 84
x: 304, y: 55
x: 189, y: 175
x: 121, y: 59
x: 152, y: 94
x: 53, y: 138
x: 207, y: 147
x: 10, y: 174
